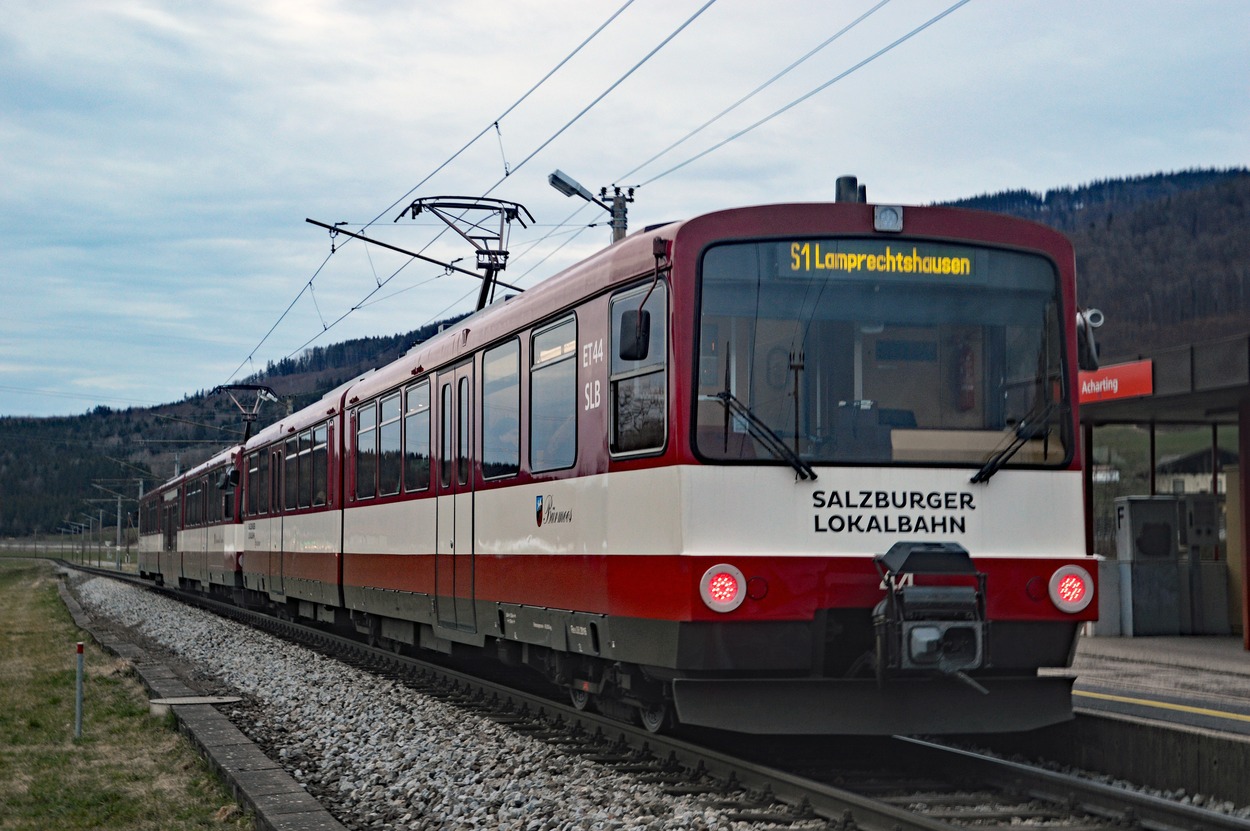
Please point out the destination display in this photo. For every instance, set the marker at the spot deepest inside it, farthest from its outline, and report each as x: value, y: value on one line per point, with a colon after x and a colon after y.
x: 883, y: 258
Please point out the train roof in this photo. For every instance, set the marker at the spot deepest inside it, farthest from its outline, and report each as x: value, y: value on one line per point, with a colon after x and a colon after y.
x: 217, y: 459
x: 633, y: 257
x: 620, y: 262
x: 321, y: 409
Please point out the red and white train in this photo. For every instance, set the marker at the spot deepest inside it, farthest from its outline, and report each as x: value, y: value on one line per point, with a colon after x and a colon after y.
x: 800, y: 468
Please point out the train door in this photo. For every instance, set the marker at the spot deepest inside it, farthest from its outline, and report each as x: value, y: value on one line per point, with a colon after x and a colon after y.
x: 276, y: 503
x: 171, y: 521
x: 454, y: 547
x: 169, y: 526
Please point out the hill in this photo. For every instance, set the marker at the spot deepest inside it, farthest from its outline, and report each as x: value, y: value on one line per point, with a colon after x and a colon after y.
x: 56, y: 471
x: 1165, y: 256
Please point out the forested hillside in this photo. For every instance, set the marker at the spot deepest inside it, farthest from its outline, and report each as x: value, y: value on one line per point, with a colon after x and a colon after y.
x: 59, y: 470
x: 1166, y: 257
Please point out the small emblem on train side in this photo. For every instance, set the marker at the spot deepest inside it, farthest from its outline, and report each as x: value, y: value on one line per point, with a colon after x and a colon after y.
x: 546, y: 513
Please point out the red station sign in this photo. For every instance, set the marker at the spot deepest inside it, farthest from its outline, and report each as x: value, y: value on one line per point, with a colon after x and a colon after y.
x: 1129, y: 380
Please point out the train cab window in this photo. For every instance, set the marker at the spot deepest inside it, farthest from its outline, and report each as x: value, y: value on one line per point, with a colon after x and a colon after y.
x: 390, y: 446
x: 320, y: 460
x: 367, y: 451
x: 501, y: 411
x: 291, y: 466
x: 639, y: 388
x: 553, y: 397
x: 858, y: 351
x: 417, y: 437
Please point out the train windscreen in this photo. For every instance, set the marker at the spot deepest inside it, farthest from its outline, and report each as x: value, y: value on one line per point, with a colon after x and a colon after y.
x: 878, y: 352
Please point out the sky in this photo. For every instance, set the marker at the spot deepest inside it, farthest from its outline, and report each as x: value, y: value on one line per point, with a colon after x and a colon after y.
x: 159, y: 160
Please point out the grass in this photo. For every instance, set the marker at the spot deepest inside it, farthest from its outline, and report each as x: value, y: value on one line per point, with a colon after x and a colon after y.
x: 128, y: 771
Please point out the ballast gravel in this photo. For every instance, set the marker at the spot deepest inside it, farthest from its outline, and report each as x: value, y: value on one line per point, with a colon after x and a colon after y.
x: 379, y: 755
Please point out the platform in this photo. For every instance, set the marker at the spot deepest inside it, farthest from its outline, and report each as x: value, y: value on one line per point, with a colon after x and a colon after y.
x: 1197, y: 681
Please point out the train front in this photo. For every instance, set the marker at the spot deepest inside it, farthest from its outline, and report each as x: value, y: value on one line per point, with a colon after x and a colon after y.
x: 883, y: 512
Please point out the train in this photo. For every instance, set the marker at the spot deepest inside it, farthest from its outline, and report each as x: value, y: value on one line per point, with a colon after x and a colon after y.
x: 785, y: 469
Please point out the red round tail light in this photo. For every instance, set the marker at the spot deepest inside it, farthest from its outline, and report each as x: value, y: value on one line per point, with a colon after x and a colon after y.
x: 723, y: 588
x: 1071, y: 589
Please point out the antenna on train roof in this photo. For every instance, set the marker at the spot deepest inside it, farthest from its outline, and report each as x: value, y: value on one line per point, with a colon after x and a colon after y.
x: 263, y: 393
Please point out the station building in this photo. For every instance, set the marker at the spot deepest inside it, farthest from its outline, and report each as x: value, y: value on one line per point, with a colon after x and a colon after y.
x: 1174, y: 537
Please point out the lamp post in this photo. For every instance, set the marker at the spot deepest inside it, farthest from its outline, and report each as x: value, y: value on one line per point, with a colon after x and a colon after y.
x: 569, y: 186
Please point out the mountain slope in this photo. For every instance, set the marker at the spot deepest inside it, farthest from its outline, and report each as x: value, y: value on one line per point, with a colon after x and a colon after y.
x: 1166, y: 257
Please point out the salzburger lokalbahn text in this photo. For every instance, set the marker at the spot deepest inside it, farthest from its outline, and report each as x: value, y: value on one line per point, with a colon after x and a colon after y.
x: 768, y: 470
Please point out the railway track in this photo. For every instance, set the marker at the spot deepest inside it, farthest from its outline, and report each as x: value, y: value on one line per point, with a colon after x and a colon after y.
x: 899, y: 784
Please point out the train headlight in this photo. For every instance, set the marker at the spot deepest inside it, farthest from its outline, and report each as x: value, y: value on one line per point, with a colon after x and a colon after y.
x: 723, y: 588
x: 1071, y: 589
x: 925, y: 644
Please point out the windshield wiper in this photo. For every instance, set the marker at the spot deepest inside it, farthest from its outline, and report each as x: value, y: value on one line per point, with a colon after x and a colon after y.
x: 1030, y: 427
x: 765, y: 435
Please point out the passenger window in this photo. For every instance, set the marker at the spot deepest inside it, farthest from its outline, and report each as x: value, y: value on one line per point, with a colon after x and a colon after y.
x: 366, y: 451
x: 305, y: 469
x: 193, y: 503
x: 417, y: 437
x: 444, y: 443
x: 390, y: 463
x: 320, y: 462
x: 639, y: 389
x: 263, y: 497
x: 253, y: 484
x: 462, y: 434
x: 501, y: 411
x: 275, y: 478
x: 553, y: 397
x: 292, y: 473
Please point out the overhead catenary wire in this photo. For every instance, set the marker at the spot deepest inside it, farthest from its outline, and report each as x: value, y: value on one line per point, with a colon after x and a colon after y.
x: 387, y: 210
x: 883, y: 50
x: 776, y: 77
x: 495, y: 123
x: 740, y: 133
x: 595, y: 101
x: 587, y: 108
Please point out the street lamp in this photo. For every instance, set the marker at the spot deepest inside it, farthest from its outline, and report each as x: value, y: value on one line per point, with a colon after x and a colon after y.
x: 569, y: 186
